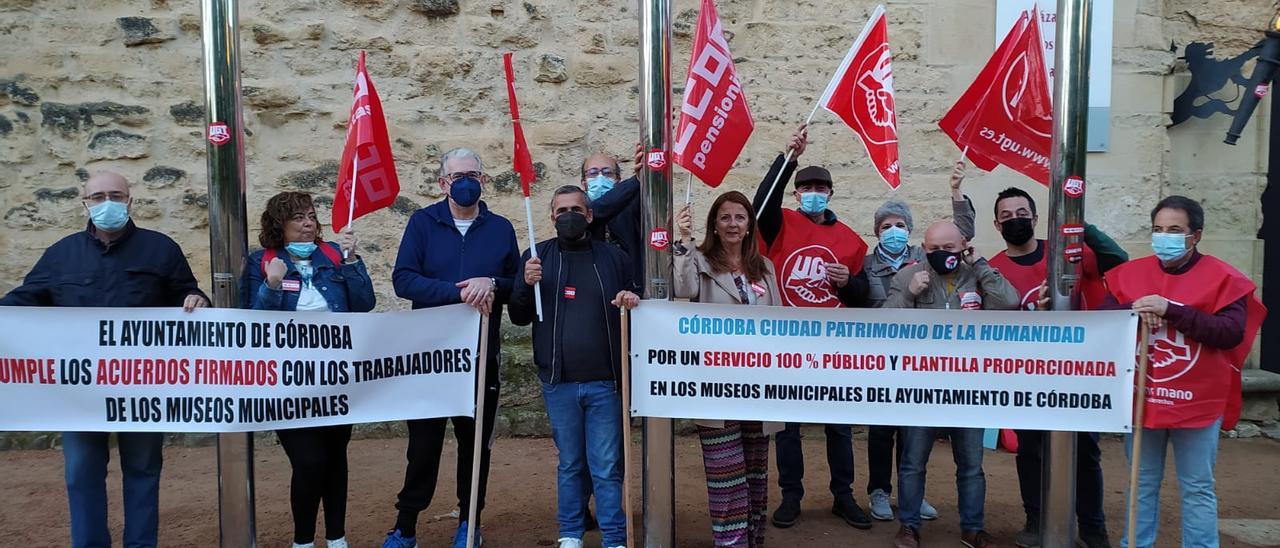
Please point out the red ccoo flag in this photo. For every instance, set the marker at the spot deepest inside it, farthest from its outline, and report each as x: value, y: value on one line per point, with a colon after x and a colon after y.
x: 367, y: 156
x: 523, y: 163
x: 714, y: 118
x: 1006, y: 115
x: 861, y: 94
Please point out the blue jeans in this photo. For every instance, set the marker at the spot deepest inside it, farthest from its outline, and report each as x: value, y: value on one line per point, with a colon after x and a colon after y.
x: 1195, y: 452
x: 86, y: 455
x: 839, y: 460
x: 971, y: 485
x: 586, y: 424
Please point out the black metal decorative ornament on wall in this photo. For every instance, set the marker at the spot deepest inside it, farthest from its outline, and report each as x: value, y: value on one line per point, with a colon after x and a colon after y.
x: 1209, y: 76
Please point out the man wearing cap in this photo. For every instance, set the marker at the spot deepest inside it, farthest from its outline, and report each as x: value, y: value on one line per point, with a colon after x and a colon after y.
x: 819, y: 264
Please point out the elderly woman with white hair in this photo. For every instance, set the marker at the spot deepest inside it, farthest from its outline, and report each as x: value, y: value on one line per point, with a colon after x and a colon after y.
x: 892, y: 253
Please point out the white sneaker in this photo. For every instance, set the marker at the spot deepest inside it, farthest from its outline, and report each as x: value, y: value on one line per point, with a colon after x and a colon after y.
x: 880, y: 508
x: 337, y: 543
x: 927, y: 511
x: 570, y: 542
x: 307, y: 545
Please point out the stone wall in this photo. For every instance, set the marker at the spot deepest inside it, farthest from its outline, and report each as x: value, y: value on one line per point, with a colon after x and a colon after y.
x: 117, y: 84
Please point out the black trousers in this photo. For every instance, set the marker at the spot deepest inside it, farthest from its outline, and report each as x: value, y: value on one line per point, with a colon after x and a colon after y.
x: 839, y: 458
x: 881, y: 452
x: 426, y: 441
x: 319, y: 459
x: 1089, y: 515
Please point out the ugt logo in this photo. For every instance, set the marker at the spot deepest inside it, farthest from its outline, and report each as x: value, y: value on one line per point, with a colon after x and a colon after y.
x: 805, y: 278
x: 1172, y: 354
x: 219, y: 134
x: 874, y: 111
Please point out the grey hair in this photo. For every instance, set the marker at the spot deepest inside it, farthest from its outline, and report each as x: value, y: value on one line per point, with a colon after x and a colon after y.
x: 569, y: 189
x: 458, y: 153
x: 893, y: 208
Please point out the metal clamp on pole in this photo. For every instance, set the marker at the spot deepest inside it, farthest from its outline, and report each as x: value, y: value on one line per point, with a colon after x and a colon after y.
x: 655, y: 177
x: 1066, y: 247
x: 228, y: 242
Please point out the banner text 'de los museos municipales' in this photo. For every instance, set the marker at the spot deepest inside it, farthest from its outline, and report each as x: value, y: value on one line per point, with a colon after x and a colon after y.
x: 1068, y: 371
x: 228, y: 370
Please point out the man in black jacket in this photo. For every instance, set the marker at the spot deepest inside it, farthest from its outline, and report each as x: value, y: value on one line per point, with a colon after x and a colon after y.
x: 111, y: 263
x: 615, y: 207
x: 587, y: 279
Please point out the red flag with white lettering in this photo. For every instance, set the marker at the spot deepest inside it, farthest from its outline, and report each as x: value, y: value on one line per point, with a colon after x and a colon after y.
x: 861, y: 94
x: 715, y: 121
x: 1006, y: 115
x: 366, y: 158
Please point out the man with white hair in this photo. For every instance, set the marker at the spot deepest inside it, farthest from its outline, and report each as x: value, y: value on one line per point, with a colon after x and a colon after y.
x: 112, y: 263
x: 454, y: 251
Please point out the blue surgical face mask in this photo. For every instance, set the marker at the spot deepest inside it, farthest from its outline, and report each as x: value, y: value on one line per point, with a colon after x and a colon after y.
x: 109, y: 216
x: 813, y: 203
x: 599, y: 186
x: 894, y: 239
x: 465, y: 191
x: 1169, y: 246
x: 301, y: 250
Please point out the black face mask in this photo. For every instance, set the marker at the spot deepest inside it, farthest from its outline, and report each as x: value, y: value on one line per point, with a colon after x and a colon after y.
x: 944, y: 262
x: 1017, y: 231
x: 570, y: 226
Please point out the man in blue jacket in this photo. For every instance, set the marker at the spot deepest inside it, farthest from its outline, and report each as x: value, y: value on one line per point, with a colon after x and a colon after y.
x: 111, y: 263
x: 453, y: 251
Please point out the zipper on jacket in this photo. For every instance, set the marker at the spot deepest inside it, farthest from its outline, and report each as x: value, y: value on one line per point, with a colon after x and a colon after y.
x: 555, y: 321
x: 608, y: 330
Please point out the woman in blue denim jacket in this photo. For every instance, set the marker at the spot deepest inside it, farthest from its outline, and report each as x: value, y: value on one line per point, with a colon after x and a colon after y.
x: 302, y: 272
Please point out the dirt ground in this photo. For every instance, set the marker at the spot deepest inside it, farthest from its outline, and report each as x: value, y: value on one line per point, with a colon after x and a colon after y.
x: 521, y: 506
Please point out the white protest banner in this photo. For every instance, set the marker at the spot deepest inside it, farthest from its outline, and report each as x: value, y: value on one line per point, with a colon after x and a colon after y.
x: 1068, y: 371
x: 229, y: 370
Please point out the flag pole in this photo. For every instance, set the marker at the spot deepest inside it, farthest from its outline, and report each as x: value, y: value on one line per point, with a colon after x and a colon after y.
x: 479, y: 437
x: 351, y: 198
x: 1139, y: 408
x: 626, y: 422
x: 787, y: 160
x: 688, y: 189
x: 533, y: 253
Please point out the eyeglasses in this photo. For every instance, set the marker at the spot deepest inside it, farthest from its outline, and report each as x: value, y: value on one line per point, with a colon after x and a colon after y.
x: 606, y: 171
x: 460, y: 174
x: 99, y: 197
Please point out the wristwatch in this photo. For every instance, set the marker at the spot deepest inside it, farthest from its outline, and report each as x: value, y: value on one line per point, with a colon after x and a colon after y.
x: 493, y: 284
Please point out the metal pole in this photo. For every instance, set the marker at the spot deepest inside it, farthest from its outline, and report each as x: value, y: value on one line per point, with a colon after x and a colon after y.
x: 655, y: 126
x: 224, y: 141
x: 1066, y: 209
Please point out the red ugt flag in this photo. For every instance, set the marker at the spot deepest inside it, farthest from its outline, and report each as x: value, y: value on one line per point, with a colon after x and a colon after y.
x: 715, y: 121
x: 1006, y: 115
x: 523, y: 163
x: 367, y: 156
x: 861, y: 94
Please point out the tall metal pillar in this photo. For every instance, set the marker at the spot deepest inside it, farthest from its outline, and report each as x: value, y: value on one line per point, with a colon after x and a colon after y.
x: 1066, y: 241
x: 228, y: 242
x: 655, y: 127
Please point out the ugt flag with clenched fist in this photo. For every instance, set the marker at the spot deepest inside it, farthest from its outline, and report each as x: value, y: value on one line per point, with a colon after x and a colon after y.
x: 861, y: 94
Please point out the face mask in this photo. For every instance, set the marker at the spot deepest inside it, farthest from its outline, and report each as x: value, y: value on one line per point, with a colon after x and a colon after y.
x: 109, y: 216
x: 813, y: 203
x: 1017, y: 231
x: 465, y: 191
x: 893, y: 239
x: 571, y: 225
x: 599, y: 186
x: 944, y: 262
x: 301, y: 250
x: 1168, y: 246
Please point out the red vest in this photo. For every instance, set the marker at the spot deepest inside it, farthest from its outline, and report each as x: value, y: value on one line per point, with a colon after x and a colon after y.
x: 1027, y: 279
x: 1189, y: 384
x: 800, y: 253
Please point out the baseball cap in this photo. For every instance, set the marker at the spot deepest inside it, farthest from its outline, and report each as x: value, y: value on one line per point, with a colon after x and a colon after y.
x: 813, y: 174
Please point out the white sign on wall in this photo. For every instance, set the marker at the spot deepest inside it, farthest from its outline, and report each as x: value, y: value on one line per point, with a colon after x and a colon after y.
x: 1008, y: 12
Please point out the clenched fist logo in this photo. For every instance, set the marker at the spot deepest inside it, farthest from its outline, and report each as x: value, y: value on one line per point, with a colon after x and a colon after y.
x: 805, y: 278
x: 873, y: 98
x: 1172, y: 354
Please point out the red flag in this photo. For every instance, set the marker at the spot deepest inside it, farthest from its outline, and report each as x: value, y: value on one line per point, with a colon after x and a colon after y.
x: 715, y: 121
x: 523, y: 163
x: 1006, y: 115
x: 367, y: 154
x: 861, y: 94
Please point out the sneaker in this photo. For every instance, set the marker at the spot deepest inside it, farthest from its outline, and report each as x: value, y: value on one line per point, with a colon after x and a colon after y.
x: 396, y: 540
x: 570, y: 542
x: 880, y: 508
x: 307, y: 545
x: 460, y: 536
x: 1029, y: 536
x: 977, y: 539
x: 906, y: 538
x: 852, y: 514
x: 927, y: 511
x: 336, y: 543
x: 787, y: 514
x: 1094, y: 539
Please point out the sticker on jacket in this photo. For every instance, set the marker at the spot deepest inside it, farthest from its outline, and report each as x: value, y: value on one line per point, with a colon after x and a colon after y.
x: 970, y: 300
